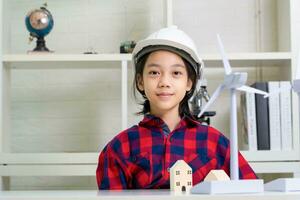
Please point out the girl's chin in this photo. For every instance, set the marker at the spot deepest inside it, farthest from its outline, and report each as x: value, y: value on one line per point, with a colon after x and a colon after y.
x: 165, y: 107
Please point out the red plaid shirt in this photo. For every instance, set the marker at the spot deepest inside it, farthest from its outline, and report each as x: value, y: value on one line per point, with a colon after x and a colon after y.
x: 141, y: 156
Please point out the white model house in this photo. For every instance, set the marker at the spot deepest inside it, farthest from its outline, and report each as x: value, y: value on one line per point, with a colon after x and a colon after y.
x: 181, y: 177
x: 217, y: 175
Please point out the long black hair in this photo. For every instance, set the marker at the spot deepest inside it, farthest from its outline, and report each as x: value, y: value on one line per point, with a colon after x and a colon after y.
x: 184, y: 109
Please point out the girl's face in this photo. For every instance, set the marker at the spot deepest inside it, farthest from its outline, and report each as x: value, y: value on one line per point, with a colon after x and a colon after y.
x: 165, y: 81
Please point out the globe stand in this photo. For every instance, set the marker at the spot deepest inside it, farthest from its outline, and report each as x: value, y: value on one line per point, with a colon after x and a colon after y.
x: 41, y: 45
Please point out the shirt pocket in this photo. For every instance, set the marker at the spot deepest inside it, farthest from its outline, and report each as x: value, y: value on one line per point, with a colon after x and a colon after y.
x: 201, y: 166
x: 140, y: 169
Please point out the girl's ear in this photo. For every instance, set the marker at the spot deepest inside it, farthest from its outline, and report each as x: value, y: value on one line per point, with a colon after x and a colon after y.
x: 189, y: 85
x: 140, y: 83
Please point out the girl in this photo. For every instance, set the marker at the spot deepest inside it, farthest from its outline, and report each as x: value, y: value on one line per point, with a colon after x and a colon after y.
x: 167, y: 67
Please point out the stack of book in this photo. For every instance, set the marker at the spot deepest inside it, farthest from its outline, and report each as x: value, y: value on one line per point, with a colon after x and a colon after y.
x: 267, y: 122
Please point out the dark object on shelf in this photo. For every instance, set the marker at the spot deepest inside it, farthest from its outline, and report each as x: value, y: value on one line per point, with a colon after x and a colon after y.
x: 205, y: 118
x: 90, y: 51
x: 127, y: 46
x: 197, y: 103
x: 39, y: 23
x: 40, y: 45
x: 262, y: 117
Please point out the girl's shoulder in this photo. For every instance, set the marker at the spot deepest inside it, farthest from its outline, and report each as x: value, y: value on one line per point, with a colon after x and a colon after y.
x: 217, y: 136
x: 120, y: 142
x: 210, y: 133
x: 207, y: 129
x: 122, y: 137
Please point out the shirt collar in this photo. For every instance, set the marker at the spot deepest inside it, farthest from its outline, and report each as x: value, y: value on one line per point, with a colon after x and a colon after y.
x: 153, y: 121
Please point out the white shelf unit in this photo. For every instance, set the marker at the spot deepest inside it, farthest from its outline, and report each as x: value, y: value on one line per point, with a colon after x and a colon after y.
x: 84, y: 164
x: 52, y: 164
x: 82, y: 159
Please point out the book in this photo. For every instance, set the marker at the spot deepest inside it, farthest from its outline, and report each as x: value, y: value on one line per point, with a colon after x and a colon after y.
x: 286, y: 115
x: 249, y: 132
x: 262, y: 117
x: 274, y: 116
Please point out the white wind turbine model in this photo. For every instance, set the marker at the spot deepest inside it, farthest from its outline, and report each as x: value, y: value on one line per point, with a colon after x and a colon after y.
x: 288, y: 184
x: 233, y: 81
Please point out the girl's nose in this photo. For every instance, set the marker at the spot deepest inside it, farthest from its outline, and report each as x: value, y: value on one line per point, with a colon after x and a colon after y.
x: 164, y: 81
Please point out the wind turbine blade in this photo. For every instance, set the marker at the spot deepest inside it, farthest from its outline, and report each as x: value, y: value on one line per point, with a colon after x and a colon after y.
x: 253, y: 90
x: 276, y: 92
x: 212, y: 99
x: 226, y: 64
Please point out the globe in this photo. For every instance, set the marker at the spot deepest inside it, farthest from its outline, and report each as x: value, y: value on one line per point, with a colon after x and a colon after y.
x: 39, y: 23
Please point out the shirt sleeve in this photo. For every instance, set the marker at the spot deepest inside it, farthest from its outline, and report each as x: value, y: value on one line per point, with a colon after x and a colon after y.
x: 223, y: 156
x: 111, y: 172
x: 245, y: 170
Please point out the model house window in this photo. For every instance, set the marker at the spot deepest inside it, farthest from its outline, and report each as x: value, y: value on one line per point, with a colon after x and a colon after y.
x: 177, y: 183
x: 189, y: 183
x: 177, y: 172
x: 189, y: 172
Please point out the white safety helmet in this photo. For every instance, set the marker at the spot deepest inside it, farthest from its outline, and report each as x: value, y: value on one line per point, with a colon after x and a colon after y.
x: 170, y: 39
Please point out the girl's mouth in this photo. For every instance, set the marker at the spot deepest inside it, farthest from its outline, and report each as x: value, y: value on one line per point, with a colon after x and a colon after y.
x: 164, y: 95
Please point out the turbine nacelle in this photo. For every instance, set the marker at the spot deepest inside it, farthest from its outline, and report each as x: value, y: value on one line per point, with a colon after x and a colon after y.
x: 235, y: 80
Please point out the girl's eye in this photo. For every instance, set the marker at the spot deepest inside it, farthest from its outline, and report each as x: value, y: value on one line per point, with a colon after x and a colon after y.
x: 153, y: 73
x: 177, y: 73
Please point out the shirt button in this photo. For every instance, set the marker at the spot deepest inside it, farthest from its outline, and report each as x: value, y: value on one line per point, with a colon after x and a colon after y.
x: 168, y: 169
x: 170, y: 140
x: 133, y: 159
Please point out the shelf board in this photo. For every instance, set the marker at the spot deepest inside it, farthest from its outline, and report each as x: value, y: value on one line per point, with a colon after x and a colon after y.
x: 8, y: 58
x: 249, y: 59
x: 57, y: 169
x: 263, y: 56
x: 89, y: 169
x: 257, y: 156
x: 92, y: 157
x: 48, y: 158
x: 48, y: 170
x: 275, y: 167
x: 84, y: 164
x: 257, y: 56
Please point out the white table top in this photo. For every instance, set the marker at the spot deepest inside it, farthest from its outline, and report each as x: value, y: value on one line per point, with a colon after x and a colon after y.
x: 138, y: 195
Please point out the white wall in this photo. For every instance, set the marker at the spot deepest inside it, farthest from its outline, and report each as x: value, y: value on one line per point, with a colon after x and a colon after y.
x: 70, y: 110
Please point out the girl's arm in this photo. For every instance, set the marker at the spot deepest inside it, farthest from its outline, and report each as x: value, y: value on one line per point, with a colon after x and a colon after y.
x: 245, y: 171
x: 222, y: 153
x: 111, y: 171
